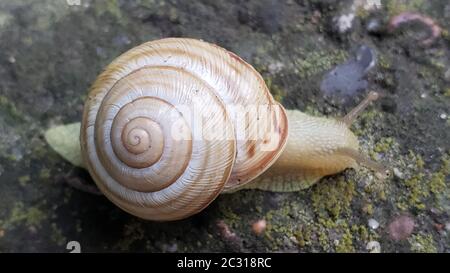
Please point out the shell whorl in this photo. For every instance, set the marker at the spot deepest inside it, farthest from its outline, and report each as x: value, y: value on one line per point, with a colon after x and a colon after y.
x: 139, y: 133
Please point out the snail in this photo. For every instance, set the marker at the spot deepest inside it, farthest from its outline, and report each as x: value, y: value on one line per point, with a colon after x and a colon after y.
x: 172, y: 123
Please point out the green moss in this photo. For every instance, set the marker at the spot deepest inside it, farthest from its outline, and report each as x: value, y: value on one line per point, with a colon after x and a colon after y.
x: 416, y: 191
x: 331, y: 199
x: 151, y: 3
x: 258, y: 209
x: 419, y: 162
x: 20, y: 215
x: 44, y: 174
x: 445, y: 35
x: 12, y: 158
x: 447, y: 92
x: 10, y: 109
x: 324, y: 242
x: 298, y: 27
x: 422, y: 243
x: 345, y: 244
x: 437, y: 64
x: 277, y: 92
x: 315, y: 62
x: 230, y: 218
x: 5, y: 19
x: 420, y: 185
x: 338, y: 234
x: 57, y: 235
x: 382, y: 195
x: 437, y: 181
x: 361, y: 231
x: 303, y: 236
x: 369, y: 116
x: 385, y: 78
x: 288, y: 222
x: 109, y: 7
x: 384, y: 62
x: 23, y: 180
x: 394, y: 7
x: 384, y: 145
x: 173, y: 15
x: 425, y: 72
x: 277, y: 225
x: 327, y: 222
x: 40, y: 150
x: 368, y: 208
x: 362, y: 13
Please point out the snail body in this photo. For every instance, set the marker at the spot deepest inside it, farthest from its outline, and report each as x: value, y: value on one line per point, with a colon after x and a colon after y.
x: 172, y: 123
x: 315, y: 148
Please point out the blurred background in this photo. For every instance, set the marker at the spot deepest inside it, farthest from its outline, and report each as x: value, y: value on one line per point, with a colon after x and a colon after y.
x: 319, y: 56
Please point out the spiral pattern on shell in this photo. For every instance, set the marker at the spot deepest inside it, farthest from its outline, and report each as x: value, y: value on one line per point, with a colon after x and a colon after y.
x: 140, y: 136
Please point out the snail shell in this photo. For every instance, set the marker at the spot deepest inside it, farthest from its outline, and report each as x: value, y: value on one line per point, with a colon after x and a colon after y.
x: 140, y: 138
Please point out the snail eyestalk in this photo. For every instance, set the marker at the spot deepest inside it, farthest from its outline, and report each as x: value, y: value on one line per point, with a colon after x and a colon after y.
x: 355, y: 112
x: 381, y: 171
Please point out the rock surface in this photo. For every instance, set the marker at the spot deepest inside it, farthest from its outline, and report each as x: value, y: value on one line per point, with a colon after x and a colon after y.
x: 51, y: 51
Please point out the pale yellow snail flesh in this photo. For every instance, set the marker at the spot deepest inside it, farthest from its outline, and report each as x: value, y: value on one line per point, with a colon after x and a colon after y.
x: 143, y: 96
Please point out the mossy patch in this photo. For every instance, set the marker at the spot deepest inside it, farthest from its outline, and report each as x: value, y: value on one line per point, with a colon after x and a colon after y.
x: 415, y: 185
x: 368, y: 208
x: 277, y: 92
x: 447, y: 92
x: 345, y: 244
x: 336, y: 235
x: 11, y: 110
x: 395, y: 7
x: 422, y: 243
x: 438, y: 179
x: 23, y: 180
x: 384, y: 145
x: 109, y: 7
x: 288, y: 226
x: 384, y: 62
x: 303, y: 235
x: 57, y: 235
x: 44, y: 174
x: 332, y: 198
x: 316, y: 62
x: 21, y: 215
x: 422, y: 187
x: 230, y: 218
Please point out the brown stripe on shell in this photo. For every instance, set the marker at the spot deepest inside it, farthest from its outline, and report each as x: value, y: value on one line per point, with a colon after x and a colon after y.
x: 174, y: 47
x: 184, y: 196
x: 224, y: 67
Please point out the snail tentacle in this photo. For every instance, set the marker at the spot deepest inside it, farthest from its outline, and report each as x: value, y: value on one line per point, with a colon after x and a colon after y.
x: 380, y: 170
x: 355, y: 112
